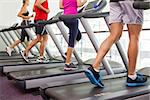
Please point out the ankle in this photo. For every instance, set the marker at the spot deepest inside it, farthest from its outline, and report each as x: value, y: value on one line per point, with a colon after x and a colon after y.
x: 132, y: 76
x: 67, y: 63
x: 95, y: 68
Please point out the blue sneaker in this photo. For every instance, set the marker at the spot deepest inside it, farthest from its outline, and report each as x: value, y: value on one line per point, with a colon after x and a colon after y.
x: 139, y: 81
x: 94, y: 77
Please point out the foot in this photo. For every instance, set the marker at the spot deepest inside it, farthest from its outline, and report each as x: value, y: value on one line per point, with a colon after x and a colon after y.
x: 139, y: 81
x: 24, y: 56
x: 94, y: 77
x: 30, y: 55
x: 70, y: 67
x: 42, y: 60
x: 9, y: 50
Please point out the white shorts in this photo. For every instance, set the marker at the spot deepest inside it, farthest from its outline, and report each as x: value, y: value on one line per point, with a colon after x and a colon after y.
x: 124, y: 12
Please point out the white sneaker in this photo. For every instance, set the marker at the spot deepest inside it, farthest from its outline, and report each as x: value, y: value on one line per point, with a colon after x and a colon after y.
x: 30, y: 55
x: 42, y: 60
x: 8, y: 50
x: 24, y: 57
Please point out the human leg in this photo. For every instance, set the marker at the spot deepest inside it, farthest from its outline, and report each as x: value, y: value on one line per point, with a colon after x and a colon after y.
x: 93, y: 72
x: 31, y: 44
x: 73, y: 32
x: 133, y: 78
x: 9, y: 49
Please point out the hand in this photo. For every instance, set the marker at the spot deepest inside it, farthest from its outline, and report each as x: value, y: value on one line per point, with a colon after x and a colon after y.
x: 32, y: 15
x: 47, y: 10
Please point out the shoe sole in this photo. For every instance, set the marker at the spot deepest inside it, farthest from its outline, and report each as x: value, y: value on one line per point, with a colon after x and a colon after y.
x: 42, y: 61
x: 25, y: 59
x: 92, y: 79
x: 135, y: 84
x: 70, y: 69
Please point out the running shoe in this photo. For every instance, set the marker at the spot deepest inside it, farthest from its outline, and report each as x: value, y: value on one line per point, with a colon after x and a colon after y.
x: 25, y: 57
x: 94, y: 77
x: 70, y: 67
x: 139, y: 81
x: 42, y: 60
x: 9, y: 50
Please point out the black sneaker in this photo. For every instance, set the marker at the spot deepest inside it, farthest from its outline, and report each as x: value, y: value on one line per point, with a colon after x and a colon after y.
x: 70, y: 67
x: 139, y: 81
x: 94, y: 77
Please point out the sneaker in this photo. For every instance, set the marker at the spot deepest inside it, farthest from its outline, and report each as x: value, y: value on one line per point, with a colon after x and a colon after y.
x: 139, y: 81
x: 70, y: 67
x: 42, y: 60
x: 25, y: 57
x: 30, y: 55
x: 94, y: 77
x: 8, y: 50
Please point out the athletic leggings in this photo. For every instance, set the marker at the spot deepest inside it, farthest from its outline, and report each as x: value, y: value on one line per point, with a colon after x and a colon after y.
x: 74, y: 32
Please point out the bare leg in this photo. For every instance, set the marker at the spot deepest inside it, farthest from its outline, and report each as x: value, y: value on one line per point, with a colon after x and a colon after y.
x: 33, y: 42
x: 15, y: 44
x: 134, y: 31
x: 43, y: 44
x: 69, y: 55
x: 116, y: 32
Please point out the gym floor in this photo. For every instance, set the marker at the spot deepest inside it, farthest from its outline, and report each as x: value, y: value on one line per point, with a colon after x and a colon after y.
x: 8, y: 91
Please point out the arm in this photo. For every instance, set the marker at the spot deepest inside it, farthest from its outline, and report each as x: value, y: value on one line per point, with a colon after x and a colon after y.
x: 61, y: 4
x: 38, y: 4
x: 80, y: 3
x: 23, y: 10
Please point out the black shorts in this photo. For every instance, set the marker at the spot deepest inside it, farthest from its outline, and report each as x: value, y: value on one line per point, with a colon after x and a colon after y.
x: 40, y: 29
x: 23, y: 32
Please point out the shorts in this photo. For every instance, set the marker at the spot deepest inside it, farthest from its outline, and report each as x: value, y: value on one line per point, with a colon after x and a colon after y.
x: 124, y: 12
x: 40, y: 29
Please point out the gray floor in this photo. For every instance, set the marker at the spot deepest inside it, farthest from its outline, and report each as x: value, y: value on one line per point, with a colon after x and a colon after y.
x: 9, y: 91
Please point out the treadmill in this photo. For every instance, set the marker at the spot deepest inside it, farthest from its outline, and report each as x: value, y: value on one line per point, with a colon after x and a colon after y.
x: 35, y: 78
x: 19, y: 64
x: 4, y: 58
x: 115, y: 88
x: 9, y: 38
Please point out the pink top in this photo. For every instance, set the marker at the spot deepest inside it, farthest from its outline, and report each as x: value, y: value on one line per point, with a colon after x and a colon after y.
x: 70, y: 7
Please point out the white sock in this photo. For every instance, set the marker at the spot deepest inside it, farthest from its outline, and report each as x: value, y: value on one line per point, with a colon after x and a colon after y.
x: 133, y: 77
x: 41, y: 57
x: 67, y: 63
x: 97, y: 70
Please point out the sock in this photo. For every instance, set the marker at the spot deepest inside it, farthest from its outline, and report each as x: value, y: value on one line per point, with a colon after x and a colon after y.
x: 95, y: 73
x: 96, y: 70
x: 133, y: 77
x: 67, y: 63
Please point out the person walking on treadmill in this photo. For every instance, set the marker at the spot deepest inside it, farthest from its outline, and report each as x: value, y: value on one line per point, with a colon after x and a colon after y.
x: 24, y: 14
x: 70, y: 8
x: 41, y: 10
x: 121, y: 12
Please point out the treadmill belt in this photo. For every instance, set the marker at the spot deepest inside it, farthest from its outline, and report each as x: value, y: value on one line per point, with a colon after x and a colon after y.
x: 87, y: 90
x: 10, y: 57
x: 45, y: 72
x: 32, y: 61
x: 11, y: 60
